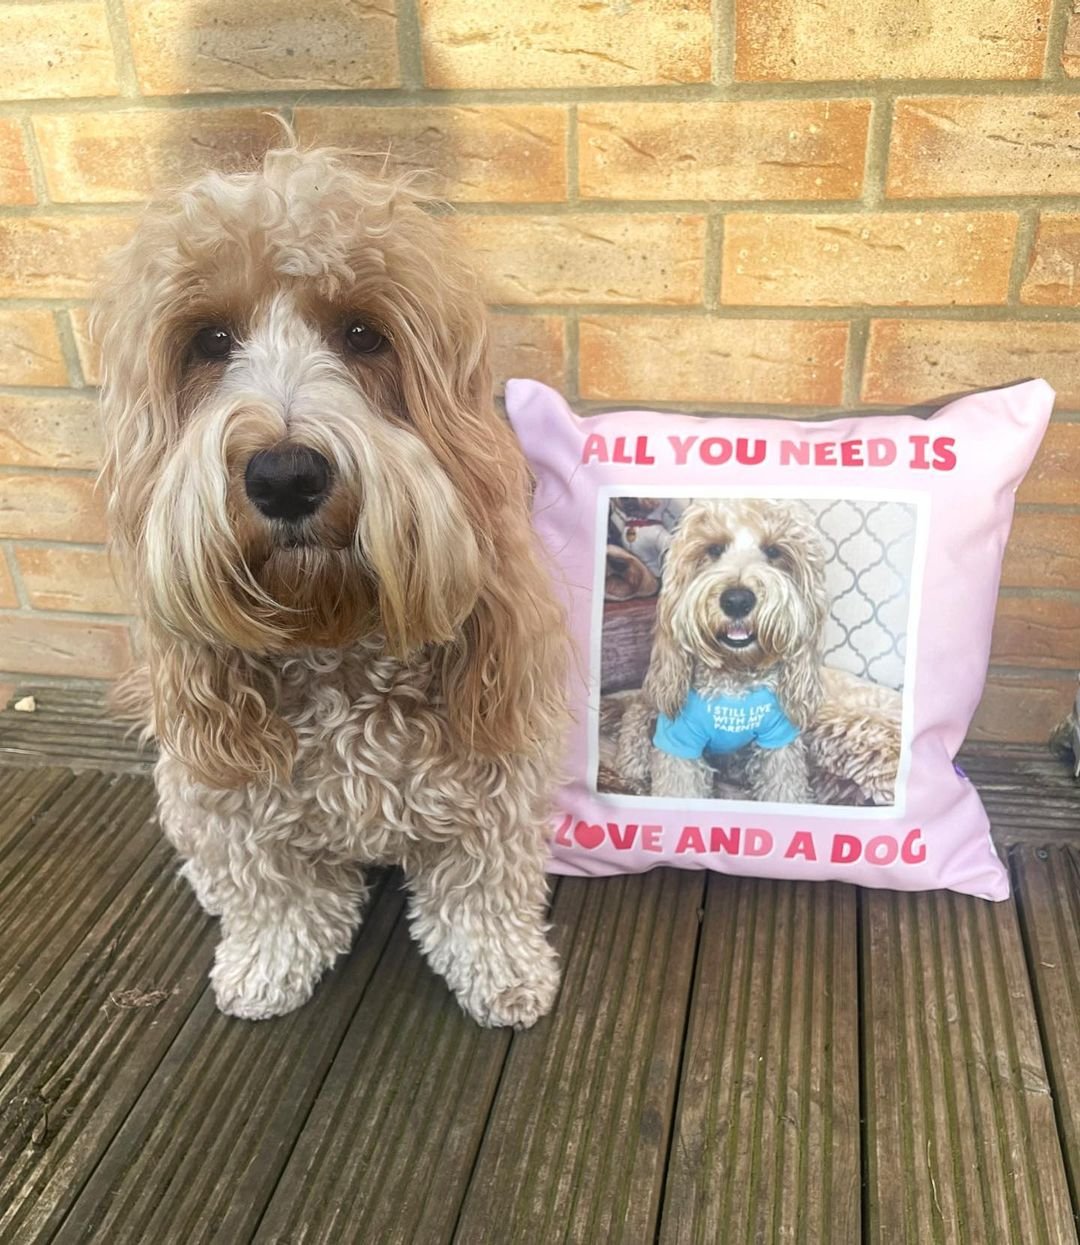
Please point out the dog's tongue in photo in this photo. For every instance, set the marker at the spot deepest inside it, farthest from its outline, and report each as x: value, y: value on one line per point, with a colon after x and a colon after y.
x: 353, y: 653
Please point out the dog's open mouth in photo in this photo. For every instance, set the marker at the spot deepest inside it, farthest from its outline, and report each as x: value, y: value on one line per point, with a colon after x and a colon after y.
x: 353, y: 652
x: 736, y: 635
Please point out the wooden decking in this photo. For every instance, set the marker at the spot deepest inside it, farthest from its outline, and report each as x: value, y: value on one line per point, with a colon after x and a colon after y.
x: 729, y: 1061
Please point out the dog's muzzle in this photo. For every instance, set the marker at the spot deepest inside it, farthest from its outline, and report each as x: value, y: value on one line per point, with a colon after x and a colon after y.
x: 290, y: 482
x: 737, y: 603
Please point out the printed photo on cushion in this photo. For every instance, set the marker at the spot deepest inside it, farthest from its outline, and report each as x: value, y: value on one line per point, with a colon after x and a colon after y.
x: 754, y: 648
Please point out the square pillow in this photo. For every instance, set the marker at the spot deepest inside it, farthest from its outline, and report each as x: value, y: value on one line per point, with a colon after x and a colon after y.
x: 782, y: 631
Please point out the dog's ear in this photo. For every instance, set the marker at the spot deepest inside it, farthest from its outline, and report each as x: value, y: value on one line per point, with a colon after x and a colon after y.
x: 214, y: 711
x: 504, y: 674
x: 799, y: 690
x: 671, y: 667
x: 142, y: 357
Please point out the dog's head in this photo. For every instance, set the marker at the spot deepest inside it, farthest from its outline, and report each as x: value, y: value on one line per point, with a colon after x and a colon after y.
x: 302, y: 450
x: 743, y: 594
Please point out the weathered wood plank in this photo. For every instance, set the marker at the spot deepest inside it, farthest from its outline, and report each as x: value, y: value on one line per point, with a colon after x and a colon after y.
x: 1048, y: 897
x: 1031, y: 796
x: 70, y: 726
x: 766, y: 1144
x: 961, y: 1139
x: 81, y: 1055
x: 578, y: 1136
x: 60, y: 874
x: 392, y: 1137
x: 199, y: 1155
x: 24, y: 793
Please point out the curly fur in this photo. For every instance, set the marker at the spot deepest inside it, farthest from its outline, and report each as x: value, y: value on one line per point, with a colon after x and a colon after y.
x: 386, y: 685
x: 772, y: 549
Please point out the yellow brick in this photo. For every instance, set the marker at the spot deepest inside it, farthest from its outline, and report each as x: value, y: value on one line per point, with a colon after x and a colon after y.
x: 30, y: 350
x: 50, y: 507
x: 39, y: 645
x: 1043, y: 551
x: 16, y: 184
x: 9, y: 598
x: 49, y: 432
x: 529, y: 346
x: 537, y: 43
x: 831, y: 40
x: 1037, y: 631
x: 513, y: 153
x: 712, y: 361
x: 56, y: 256
x: 89, y: 355
x: 752, y: 149
x: 1052, y: 277
x: 1052, y: 478
x: 116, y: 157
x: 1021, y: 709
x: 985, y: 145
x: 1070, y: 53
x: 587, y: 258
x: 911, y: 361
x: 53, y: 51
x: 276, y: 45
x: 896, y: 258
x: 77, y: 580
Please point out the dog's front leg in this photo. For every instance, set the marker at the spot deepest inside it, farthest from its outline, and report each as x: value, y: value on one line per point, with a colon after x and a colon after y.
x: 679, y: 777
x: 781, y: 775
x: 478, y: 911
x: 286, y: 915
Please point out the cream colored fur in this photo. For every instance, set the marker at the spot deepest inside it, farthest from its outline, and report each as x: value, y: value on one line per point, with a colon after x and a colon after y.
x: 383, y: 684
x: 849, y: 749
x: 771, y: 549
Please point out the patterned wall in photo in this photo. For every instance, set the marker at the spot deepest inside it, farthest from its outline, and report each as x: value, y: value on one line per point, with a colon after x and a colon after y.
x: 869, y: 548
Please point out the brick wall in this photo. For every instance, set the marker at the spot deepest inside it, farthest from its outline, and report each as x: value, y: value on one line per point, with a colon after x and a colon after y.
x: 789, y: 205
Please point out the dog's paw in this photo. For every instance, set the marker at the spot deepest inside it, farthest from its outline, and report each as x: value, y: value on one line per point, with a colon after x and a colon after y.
x: 521, y: 1004
x: 252, y: 980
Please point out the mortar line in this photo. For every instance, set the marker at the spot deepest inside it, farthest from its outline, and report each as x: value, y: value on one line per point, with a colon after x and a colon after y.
x: 855, y: 361
x: 65, y: 331
x: 127, y: 77
x: 877, y: 153
x: 945, y: 205
x: 735, y: 91
x: 36, y: 165
x: 723, y: 68
x: 410, y: 47
x: 714, y: 260
x: 1053, y: 69
x: 573, y: 158
x: 1023, y: 253
x: 21, y: 595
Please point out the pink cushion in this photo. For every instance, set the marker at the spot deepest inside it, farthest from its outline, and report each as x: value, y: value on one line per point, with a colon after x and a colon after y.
x: 814, y: 602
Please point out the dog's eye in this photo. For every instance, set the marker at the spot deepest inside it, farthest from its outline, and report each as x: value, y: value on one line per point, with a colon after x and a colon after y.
x: 361, y: 338
x: 772, y: 552
x: 213, y: 342
x: 716, y: 551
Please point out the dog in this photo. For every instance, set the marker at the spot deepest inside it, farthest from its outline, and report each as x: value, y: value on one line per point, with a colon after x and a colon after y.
x: 354, y: 655
x: 736, y: 665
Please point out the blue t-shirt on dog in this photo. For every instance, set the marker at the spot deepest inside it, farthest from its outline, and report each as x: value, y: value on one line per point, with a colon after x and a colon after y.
x: 725, y: 724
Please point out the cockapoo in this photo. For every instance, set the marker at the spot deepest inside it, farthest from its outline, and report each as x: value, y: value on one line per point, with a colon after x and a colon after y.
x: 736, y: 667
x: 353, y: 653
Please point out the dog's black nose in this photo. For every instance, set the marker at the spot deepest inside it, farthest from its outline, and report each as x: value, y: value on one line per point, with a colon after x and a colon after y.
x: 290, y: 482
x: 737, y: 602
